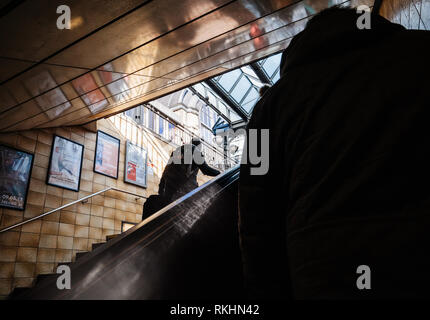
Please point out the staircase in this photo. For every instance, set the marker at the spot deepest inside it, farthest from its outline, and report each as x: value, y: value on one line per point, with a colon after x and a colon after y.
x: 41, y: 277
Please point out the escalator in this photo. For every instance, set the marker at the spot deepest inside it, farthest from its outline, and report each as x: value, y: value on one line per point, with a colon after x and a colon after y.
x: 190, y: 250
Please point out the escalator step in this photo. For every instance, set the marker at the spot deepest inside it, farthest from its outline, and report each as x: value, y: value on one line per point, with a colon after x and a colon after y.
x: 111, y: 236
x: 18, y: 291
x: 42, y: 277
x: 96, y: 245
x: 79, y: 255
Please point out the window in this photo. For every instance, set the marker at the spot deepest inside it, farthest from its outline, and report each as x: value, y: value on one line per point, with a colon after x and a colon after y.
x: 151, y: 120
x: 161, y: 126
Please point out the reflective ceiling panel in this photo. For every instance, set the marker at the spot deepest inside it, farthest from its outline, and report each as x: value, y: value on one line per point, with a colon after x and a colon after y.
x: 122, y: 53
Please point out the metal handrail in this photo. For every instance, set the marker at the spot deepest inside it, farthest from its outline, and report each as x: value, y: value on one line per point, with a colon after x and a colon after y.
x: 68, y: 205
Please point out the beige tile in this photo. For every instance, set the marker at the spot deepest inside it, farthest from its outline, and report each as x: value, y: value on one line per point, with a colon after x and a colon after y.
x: 9, y: 139
x: 78, y: 130
x: 72, y: 208
x: 86, y: 186
x: 108, y: 224
x: 33, y: 227
x: 98, y: 187
x: 87, y: 175
x: 68, y: 194
x: 66, y: 229
x: 29, y: 239
x: 89, y: 154
x: 81, y: 232
x: 41, y: 160
x: 98, y: 200
x: 36, y: 198
x: 121, y: 205
x: 87, y: 164
x: 8, y: 220
x: 100, y: 179
x: 80, y: 243
x: 63, y: 132
x: 84, y: 208
x: 96, y: 210
x: 26, y: 144
x: 96, y: 222
x: 46, y: 255
x: 109, y: 213
x: 43, y: 148
x: 26, y: 255
x: 77, y: 138
x: 24, y: 270
x: 33, y: 211
x: 82, y: 219
x: 48, y: 241
x: 110, y: 182
x: 44, y: 268
x: 109, y: 202
x: 95, y: 233
x: 67, y: 217
x: 90, y: 136
x: 39, y: 173
x: 15, y: 213
x: 54, y: 217
x: 37, y: 185
x: 58, y: 192
x: 45, y: 138
x: 120, y: 215
x: 9, y: 238
x: 63, y: 256
x: 7, y: 269
x: 26, y: 282
x: 53, y: 201
x: 49, y: 227
x: 31, y: 134
x: 64, y: 242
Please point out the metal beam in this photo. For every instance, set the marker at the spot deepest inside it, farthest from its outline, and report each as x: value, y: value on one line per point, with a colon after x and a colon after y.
x: 227, y: 99
x: 261, y: 74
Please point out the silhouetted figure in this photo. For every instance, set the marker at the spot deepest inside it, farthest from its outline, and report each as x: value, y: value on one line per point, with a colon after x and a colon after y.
x: 179, y: 176
x: 349, y: 166
x: 264, y: 89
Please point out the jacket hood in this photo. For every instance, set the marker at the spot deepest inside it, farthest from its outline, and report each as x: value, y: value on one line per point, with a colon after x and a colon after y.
x: 331, y: 34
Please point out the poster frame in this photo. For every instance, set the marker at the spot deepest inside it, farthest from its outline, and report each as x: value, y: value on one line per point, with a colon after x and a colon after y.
x: 28, y: 181
x: 95, y: 155
x: 144, y: 185
x: 50, y: 164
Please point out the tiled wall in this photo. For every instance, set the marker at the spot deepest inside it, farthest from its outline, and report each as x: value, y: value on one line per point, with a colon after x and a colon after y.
x: 37, y: 247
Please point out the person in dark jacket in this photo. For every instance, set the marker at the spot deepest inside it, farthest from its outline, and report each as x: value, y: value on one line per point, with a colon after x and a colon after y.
x: 179, y: 176
x: 344, y: 209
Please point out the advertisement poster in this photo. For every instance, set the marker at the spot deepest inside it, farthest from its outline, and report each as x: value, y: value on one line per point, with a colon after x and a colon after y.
x: 65, y: 164
x: 53, y: 102
x: 135, y: 165
x: 90, y: 93
x: 15, y: 173
x: 107, y: 155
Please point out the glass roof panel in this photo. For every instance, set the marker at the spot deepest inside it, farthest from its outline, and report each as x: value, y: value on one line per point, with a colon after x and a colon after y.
x: 228, y: 79
x: 241, y: 89
x: 271, y: 64
x: 250, y: 100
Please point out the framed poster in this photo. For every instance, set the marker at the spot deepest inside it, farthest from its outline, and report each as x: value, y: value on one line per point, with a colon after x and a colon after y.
x: 15, y: 173
x: 135, y: 165
x: 65, y: 164
x: 106, y: 160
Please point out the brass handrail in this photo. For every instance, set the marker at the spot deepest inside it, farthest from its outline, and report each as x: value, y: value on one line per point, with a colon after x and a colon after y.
x: 68, y: 205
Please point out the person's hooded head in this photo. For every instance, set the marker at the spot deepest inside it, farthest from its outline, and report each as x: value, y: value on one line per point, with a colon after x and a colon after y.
x: 333, y: 32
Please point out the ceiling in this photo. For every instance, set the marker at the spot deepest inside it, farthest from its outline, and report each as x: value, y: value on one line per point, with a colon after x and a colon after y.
x: 119, y: 54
